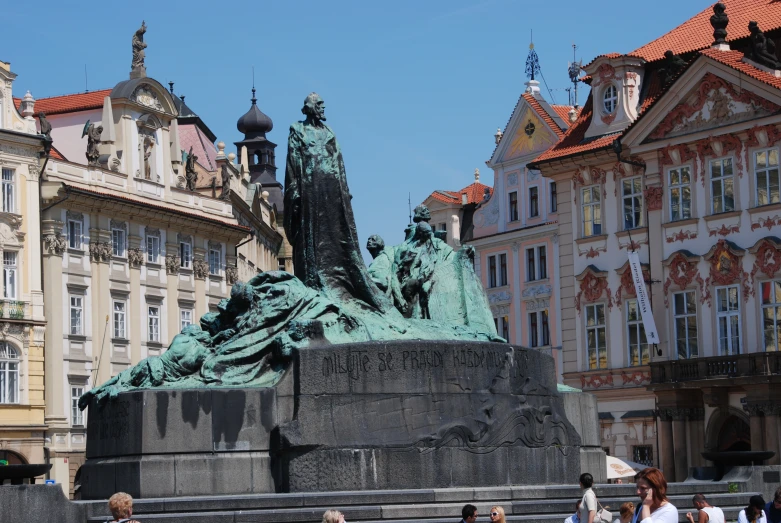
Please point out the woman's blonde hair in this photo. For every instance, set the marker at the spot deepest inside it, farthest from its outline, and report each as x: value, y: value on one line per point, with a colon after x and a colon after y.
x: 120, y: 505
x: 331, y: 516
x: 500, y: 511
x: 626, y: 508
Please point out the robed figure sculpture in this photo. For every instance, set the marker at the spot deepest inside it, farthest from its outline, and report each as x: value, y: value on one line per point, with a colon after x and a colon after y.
x: 319, y: 220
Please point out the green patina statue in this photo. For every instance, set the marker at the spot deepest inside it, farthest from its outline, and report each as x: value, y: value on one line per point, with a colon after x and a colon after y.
x: 420, y: 289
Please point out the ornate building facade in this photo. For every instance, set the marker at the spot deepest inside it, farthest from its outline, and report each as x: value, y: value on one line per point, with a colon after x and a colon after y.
x: 675, y: 158
x: 22, y: 320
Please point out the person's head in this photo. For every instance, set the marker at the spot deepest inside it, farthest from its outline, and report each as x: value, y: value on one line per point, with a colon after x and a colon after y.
x: 314, y: 107
x: 626, y: 510
x: 756, y: 504
x: 651, y: 479
x: 586, y: 480
x: 421, y: 214
x: 699, y: 501
x: 777, y: 499
x: 497, y: 514
x: 577, y: 505
x: 120, y: 505
x: 375, y: 245
x: 333, y: 516
x: 469, y: 513
x: 619, y: 481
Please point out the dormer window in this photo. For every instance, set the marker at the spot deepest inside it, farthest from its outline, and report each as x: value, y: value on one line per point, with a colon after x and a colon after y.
x: 610, y: 99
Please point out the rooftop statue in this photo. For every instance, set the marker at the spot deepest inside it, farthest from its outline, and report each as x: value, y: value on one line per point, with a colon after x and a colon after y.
x: 332, y: 298
x: 137, y: 65
x: 190, y: 175
x: 92, y: 132
x: 763, y: 49
x: 46, y: 127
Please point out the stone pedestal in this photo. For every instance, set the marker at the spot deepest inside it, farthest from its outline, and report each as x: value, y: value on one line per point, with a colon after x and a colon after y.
x: 378, y: 415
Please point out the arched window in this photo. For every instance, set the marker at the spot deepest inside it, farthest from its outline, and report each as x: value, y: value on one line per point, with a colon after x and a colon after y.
x: 9, y: 374
x: 12, y: 458
x: 610, y: 99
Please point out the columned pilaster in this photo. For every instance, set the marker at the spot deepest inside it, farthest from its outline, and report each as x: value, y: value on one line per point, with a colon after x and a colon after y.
x: 681, y: 425
x: 763, y: 423
x: 666, y: 442
x: 54, y: 245
x: 172, y: 265
x: 200, y: 271
x: 135, y: 258
x: 100, y: 251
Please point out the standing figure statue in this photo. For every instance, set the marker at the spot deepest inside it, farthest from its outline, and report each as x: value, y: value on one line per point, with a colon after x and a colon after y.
x: 763, y: 49
x: 319, y: 218
x: 148, y: 144
x: 190, y: 176
x: 93, y: 133
x: 46, y: 127
x: 225, y: 175
x: 138, y: 49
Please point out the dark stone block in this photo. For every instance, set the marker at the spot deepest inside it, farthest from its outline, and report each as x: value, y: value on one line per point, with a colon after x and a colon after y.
x: 243, y: 419
x: 38, y: 503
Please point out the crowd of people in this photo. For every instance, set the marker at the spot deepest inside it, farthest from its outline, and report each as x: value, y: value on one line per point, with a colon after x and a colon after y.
x: 652, y: 506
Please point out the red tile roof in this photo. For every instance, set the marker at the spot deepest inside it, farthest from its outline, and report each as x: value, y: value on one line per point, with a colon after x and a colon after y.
x: 56, y: 155
x: 69, y: 103
x: 474, y: 193
x: 734, y: 59
x: 535, y: 104
x: 563, y: 112
x: 697, y: 33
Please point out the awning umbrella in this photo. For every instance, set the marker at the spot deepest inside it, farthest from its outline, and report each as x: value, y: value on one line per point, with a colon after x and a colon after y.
x: 617, y: 468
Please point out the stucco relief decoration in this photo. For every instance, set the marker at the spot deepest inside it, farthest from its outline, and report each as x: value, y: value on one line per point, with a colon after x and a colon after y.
x: 627, y: 285
x: 512, y: 179
x: 33, y: 171
x: 680, y: 272
x: 592, y: 252
x: 636, y: 378
x: 724, y: 230
x: 231, y: 275
x: 681, y: 236
x: 54, y: 243
x: 200, y: 269
x: 596, y: 381
x: 679, y: 155
x: 767, y: 259
x: 632, y: 245
x: 653, y: 197
x: 143, y: 95
x: 726, y: 268
x: 135, y: 257
x: 607, y: 119
x: 532, y: 175
x: 630, y: 79
x: 172, y: 263
x: 100, y: 252
x: 764, y: 136
x: 714, y: 103
x: 16, y: 330
x: 499, y: 297
x: 537, y: 290
x: 605, y: 73
x: 592, y: 287
x: 537, y: 305
x: 767, y: 223
x: 589, y: 176
x: 718, y: 146
x: 488, y: 214
x: 19, y: 151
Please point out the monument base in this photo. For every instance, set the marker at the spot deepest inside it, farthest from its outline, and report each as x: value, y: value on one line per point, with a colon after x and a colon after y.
x: 366, y: 416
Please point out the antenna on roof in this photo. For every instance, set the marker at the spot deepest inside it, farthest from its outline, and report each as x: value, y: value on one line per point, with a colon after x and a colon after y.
x: 253, y: 76
x: 409, y: 203
x: 86, y: 86
x: 573, y: 68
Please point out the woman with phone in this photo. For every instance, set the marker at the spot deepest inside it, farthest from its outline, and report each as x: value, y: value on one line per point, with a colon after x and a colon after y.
x: 654, y: 506
x: 497, y: 515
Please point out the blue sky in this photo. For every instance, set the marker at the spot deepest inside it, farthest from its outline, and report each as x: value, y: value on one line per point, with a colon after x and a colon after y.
x: 414, y: 89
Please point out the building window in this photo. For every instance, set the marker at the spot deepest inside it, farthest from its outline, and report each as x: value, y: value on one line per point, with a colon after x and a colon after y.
x: 74, y: 234
x: 536, y: 263
x: 503, y: 327
x: 767, y: 176
x: 77, y: 315
x: 596, y: 348
x: 9, y: 374
x: 643, y: 454
x: 77, y: 415
x: 539, y: 333
x: 685, y: 312
x: 185, y: 318
x: 554, y: 200
x: 118, y: 242
x: 443, y: 227
x: 514, y: 206
x: 771, y: 314
x: 281, y: 264
x: 721, y: 184
x: 491, y: 271
x: 214, y: 261
x: 728, y: 319
x: 534, y: 202
x: 610, y: 99
x: 680, y: 193
x: 153, y: 320
x: 9, y: 275
x: 9, y: 201
x: 153, y: 249
x: 635, y: 334
x: 592, y: 210
x: 632, y: 194
x: 119, y: 319
x: 502, y: 269
x: 185, y: 255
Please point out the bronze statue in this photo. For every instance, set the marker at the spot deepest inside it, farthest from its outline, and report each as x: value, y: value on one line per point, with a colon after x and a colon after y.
x: 46, y: 127
x: 226, y: 182
x: 138, y: 48
x: 190, y: 176
x: 719, y: 22
x: 93, y: 133
x: 763, y: 49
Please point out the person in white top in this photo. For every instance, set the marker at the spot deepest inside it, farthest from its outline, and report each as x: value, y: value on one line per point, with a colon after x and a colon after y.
x: 652, y: 490
x: 755, y: 512
x: 706, y: 513
x: 588, y: 505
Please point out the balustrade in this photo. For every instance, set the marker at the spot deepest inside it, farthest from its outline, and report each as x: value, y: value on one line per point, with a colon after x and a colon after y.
x: 733, y: 366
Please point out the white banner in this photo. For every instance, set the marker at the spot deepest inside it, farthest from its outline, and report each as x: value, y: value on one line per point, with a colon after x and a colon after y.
x: 643, y: 303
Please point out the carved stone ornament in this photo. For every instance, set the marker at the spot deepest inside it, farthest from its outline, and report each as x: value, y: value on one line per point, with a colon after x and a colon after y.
x: 135, y: 257
x: 172, y: 263
x: 726, y: 268
x: 592, y: 286
x: 200, y: 269
x: 537, y: 290
x: 231, y: 275
x: 627, y: 284
x: 143, y: 95
x: 682, y: 273
x: 100, y: 252
x: 767, y: 259
x: 653, y: 198
x: 54, y: 243
x: 719, y: 21
x: 499, y: 297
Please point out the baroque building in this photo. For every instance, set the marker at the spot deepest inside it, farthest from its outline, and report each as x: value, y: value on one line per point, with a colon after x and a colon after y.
x: 22, y: 320
x: 675, y: 157
x: 515, y: 231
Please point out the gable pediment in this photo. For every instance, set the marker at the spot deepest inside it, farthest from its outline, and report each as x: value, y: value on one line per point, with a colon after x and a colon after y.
x: 530, y: 136
x: 713, y: 102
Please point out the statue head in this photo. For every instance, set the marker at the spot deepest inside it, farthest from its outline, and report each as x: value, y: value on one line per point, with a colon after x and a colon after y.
x: 423, y: 232
x: 99, y: 129
x: 375, y: 245
x: 753, y: 27
x: 314, y: 107
x: 668, y: 54
x: 42, y: 115
x: 421, y: 214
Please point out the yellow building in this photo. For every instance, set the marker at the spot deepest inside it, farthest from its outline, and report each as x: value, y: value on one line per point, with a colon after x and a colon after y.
x: 22, y: 321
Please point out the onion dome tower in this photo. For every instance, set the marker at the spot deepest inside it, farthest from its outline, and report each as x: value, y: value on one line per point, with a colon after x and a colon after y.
x: 260, y: 151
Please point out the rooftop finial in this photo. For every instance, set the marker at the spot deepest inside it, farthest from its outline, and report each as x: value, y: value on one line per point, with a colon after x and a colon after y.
x: 719, y: 21
x: 498, y: 136
x: 532, y: 62
x: 477, y: 175
x: 171, y: 86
